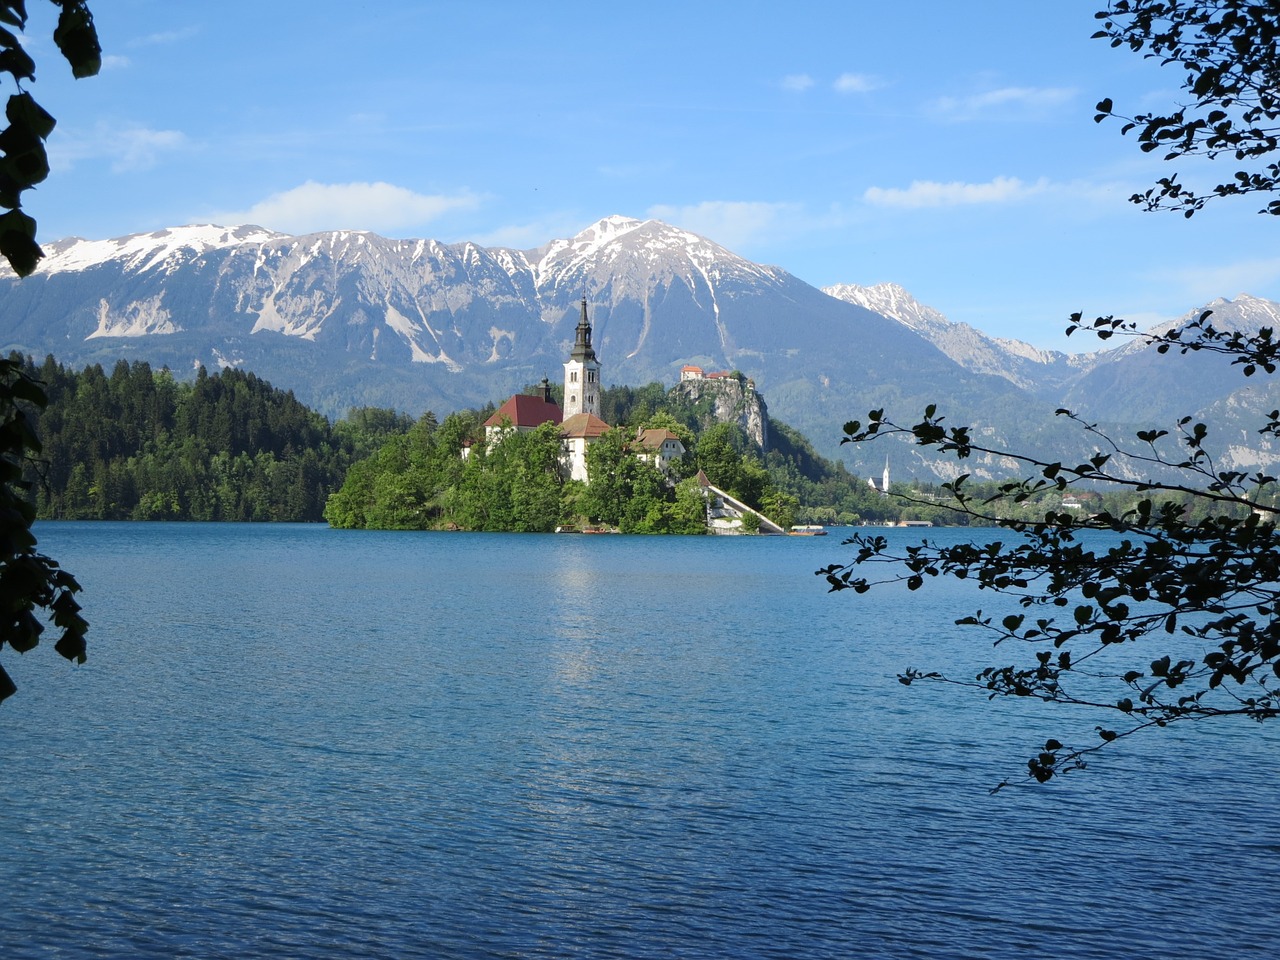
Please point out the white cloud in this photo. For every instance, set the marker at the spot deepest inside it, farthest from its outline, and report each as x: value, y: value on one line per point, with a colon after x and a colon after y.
x: 730, y: 223
x: 115, y: 62
x: 855, y: 83
x: 379, y: 207
x: 797, y: 82
x: 930, y: 193
x: 129, y: 148
x: 1005, y: 101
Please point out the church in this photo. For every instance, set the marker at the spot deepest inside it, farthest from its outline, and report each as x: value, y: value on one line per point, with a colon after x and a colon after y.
x: 580, y: 423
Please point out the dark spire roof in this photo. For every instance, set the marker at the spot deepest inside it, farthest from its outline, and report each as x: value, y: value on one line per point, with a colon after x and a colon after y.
x: 582, y: 337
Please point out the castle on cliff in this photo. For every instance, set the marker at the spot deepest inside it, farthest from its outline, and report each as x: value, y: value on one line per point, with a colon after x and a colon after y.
x: 581, y: 424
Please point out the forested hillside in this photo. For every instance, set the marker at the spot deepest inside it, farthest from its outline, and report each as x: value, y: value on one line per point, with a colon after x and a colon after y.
x: 137, y: 444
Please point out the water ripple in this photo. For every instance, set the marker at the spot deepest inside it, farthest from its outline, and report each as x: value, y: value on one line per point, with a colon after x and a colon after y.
x: 294, y: 742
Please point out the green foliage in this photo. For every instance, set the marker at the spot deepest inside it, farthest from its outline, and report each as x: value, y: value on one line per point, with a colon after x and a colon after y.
x: 410, y: 483
x: 23, y: 160
x: 1228, y: 51
x: 688, y: 515
x: 822, y: 491
x: 631, y: 406
x: 1173, y: 618
x: 629, y: 493
x: 29, y: 581
x: 725, y: 455
x: 1198, y: 556
x: 513, y: 484
x: 790, y: 483
x: 138, y: 445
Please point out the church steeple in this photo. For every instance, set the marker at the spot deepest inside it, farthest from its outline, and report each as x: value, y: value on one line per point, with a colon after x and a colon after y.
x: 582, y: 372
x: 582, y: 337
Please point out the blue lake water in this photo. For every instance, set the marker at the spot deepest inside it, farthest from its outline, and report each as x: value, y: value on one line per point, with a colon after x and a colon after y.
x: 291, y: 741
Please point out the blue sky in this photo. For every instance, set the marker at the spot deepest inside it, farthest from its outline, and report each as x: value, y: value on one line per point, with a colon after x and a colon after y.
x: 948, y: 147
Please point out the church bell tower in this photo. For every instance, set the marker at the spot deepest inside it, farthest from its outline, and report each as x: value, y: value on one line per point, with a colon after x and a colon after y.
x: 582, y: 372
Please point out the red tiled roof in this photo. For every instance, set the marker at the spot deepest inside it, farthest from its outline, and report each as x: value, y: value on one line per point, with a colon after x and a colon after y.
x: 525, y: 411
x: 586, y: 425
x: 653, y: 438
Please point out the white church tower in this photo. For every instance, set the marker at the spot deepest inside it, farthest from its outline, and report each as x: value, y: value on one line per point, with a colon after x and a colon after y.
x: 582, y: 372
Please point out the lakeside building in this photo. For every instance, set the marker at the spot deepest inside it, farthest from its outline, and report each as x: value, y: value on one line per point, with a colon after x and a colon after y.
x: 581, y: 425
x: 659, y: 447
x: 522, y: 413
x: 883, y: 485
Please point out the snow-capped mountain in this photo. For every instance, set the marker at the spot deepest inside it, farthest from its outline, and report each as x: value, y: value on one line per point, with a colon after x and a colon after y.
x: 349, y: 318
x: 1020, y: 363
x: 1150, y: 386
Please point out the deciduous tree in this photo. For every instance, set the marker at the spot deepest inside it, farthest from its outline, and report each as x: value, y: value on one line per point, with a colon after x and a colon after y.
x: 30, y: 581
x: 1167, y: 611
x: 1228, y: 52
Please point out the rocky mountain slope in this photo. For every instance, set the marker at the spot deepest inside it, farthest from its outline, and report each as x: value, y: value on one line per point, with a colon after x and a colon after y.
x: 348, y: 318
x: 1025, y: 366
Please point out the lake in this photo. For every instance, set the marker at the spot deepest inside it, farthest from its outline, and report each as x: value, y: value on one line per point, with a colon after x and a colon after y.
x: 291, y: 741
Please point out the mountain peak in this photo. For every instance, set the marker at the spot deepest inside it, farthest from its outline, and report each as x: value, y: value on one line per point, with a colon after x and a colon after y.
x: 143, y: 251
x: 893, y: 301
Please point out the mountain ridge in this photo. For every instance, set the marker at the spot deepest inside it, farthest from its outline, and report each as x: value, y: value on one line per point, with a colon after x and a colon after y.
x: 348, y: 318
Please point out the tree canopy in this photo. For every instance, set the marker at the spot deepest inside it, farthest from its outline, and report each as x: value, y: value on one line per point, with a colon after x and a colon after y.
x: 1165, y: 610
x: 137, y: 444
x: 30, y: 581
x: 23, y: 161
x: 1228, y: 52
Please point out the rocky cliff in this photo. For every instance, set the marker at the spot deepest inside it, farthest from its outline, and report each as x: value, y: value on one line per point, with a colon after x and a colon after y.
x: 736, y: 401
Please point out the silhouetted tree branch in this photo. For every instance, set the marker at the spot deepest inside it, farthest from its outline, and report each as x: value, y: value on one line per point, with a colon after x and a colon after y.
x: 1228, y: 50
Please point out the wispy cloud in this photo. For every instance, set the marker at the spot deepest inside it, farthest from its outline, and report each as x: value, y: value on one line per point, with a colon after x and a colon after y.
x: 129, y: 148
x: 1203, y: 283
x: 316, y: 206
x: 797, y: 82
x: 527, y: 236
x: 164, y: 37
x: 855, y: 83
x: 1004, y: 101
x: 930, y: 193
x: 114, y: 62
x: 731, y: 223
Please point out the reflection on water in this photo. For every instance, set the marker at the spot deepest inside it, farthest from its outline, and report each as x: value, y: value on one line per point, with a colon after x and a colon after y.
x: 293, y: 742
